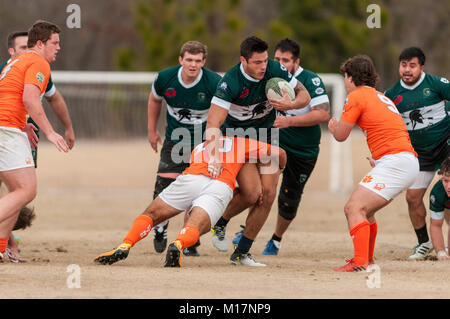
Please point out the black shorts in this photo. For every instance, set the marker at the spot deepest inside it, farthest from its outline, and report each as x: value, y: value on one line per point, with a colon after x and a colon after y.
x: 430, y: 160
x: 296, y: 174
x: 174, y: 163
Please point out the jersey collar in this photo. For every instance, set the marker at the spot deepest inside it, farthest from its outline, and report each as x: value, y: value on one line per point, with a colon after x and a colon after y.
x: 188, y: 86
x: 299, y: 70
x: 412, y: 87
x: 248, y: 77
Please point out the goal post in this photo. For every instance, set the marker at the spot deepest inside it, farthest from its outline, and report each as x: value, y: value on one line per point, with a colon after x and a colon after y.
x: 114, y: 104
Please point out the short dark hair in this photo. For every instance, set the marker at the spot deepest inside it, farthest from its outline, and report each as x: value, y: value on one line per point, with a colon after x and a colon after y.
x: 12, y: 37
x: 289, y: 45
x: 361, y: 69
x: 251, y: 45
x: 445, y: 167
x: 412, y: 52
x: 41, y: 31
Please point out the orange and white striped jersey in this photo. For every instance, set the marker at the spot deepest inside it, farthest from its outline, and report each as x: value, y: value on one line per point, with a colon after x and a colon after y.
x: 380, y: 121
x: 234, y: 153
x: 27, y: 68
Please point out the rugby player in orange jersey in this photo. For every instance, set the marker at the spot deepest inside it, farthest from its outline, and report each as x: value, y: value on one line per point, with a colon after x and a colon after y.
x: 203, y: 196
x: 394, y: 161
x: 22, y: 81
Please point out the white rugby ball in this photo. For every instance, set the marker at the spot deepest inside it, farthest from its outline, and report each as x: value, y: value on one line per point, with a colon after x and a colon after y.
x: 274, y: 88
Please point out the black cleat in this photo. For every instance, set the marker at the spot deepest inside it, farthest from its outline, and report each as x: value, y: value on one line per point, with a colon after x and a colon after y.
x: 114, y: 255
x: 173, y: 256
x: 192, y: 251
x: 160, y: 239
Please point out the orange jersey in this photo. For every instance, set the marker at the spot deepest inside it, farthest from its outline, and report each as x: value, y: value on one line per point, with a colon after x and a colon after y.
x: 28, y: 68
x: 380, y: 121
x: 234, y: 153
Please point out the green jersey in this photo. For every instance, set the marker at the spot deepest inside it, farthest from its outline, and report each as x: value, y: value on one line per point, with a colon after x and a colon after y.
x: 422, y: 107
x: 304, y: 141
x: 439, y: 200
x: 187, y: 104
x: 245, y: 97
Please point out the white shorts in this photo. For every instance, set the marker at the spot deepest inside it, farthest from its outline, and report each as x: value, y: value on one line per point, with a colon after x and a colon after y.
x: 392, y: 174
x: 423, y: 180
x: 15, y: 150
x: 198, y: 190
x: 436, y: 215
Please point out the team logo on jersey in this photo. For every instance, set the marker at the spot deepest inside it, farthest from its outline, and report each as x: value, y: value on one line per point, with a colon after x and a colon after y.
x: 40, y: 77
x: 319, y: 91
x: 244, y: 93
x: 315, y: 81
x: 202, y: 96
x: 223, y: 86
x: 398, y: 99
x: 379, y: 186
x: 444, y: 80
x: 170, y: 92
x: 426, y: 91
x: 417, y: 117
x: 184, y: 114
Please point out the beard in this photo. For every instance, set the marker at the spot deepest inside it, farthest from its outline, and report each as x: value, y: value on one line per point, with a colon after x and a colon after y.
x: 411, y: 80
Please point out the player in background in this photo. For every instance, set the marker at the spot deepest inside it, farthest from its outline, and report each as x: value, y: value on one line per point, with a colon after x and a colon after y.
x: 420, y: 99
x: 241, y: 108
x: 187, y: 90
x: 300, y: 135
x: 439, y: 206
x: 196, y: 191
x: 22, y: 81
x: 394, y: 161
x: 17, y: 44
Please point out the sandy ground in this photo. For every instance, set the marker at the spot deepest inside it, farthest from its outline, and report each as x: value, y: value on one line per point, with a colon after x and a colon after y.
x: 87, y: 200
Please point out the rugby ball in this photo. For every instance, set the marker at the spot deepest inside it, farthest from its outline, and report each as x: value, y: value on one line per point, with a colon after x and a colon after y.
x: 274, y: 89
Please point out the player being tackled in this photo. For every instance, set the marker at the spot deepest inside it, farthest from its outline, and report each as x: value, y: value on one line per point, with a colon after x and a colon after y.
x: 202, y: 191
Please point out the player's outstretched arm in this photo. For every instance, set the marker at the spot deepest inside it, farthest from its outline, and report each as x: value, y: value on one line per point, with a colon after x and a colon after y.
x: 32, y: 102
x: 216, y: 117
x: 59, y: 107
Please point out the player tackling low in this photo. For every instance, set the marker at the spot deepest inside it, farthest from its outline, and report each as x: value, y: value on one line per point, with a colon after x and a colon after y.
x: 196, y: 191
x: 394, y: 164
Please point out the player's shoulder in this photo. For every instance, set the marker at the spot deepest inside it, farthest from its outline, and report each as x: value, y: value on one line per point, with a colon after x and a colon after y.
x: 435, y: 79
x: 211, y: 75
x: 169, y: 72
x: 275, y: 66
x: 309, y: 78
x: 393, y: 89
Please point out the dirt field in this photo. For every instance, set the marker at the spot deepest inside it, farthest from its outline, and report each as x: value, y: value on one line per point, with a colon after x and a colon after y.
x: 87, y: 200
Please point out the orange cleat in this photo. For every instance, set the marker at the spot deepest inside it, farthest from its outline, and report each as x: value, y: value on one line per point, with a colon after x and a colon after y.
x: 351, y: 266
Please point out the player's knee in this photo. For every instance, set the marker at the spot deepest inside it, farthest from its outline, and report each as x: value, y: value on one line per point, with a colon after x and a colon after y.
x: 269, y: 196
x: 160, y: 184
x: 287, y: 207
x: 413, y: 199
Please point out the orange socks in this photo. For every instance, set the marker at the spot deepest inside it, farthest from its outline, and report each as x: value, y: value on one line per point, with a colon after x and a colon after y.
x: 141, y: 227
x: 373, y: 236
x: 3, y: 244
x: 187, y: 237
x: 361, y: 236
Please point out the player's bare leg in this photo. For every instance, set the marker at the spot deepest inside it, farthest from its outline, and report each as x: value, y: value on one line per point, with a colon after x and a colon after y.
x: 157, y: 212
x: 417, y: 214
x: 360, y: 212
x: 250, y: 191
x: 197, y: 224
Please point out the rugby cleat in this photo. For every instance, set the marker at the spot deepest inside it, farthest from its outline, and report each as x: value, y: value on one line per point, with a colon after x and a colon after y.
x: 192, y: 251
x: 351, y: 266
x: 173, y: 255
x: 244, y: 259
x: 113, y: 256
x: 160, y: 239
x: 272, y: 247
x: 421, y: 250
x: 218, y: 238
x: 238, y: 235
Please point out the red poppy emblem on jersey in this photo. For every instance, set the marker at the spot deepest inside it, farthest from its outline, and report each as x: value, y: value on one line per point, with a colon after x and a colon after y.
x: 170, y: 93
x: 398, y: 99
x: 244, y: 93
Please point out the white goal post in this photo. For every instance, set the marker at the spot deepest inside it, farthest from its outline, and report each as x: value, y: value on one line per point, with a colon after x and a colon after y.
x: 341, y: 171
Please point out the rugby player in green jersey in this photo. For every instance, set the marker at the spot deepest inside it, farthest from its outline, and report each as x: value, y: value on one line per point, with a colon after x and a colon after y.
x: 17, y: 44
x: 187, y: 90
x: 240, y: 107
x: 420, y: 99
x: 439, y: 208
